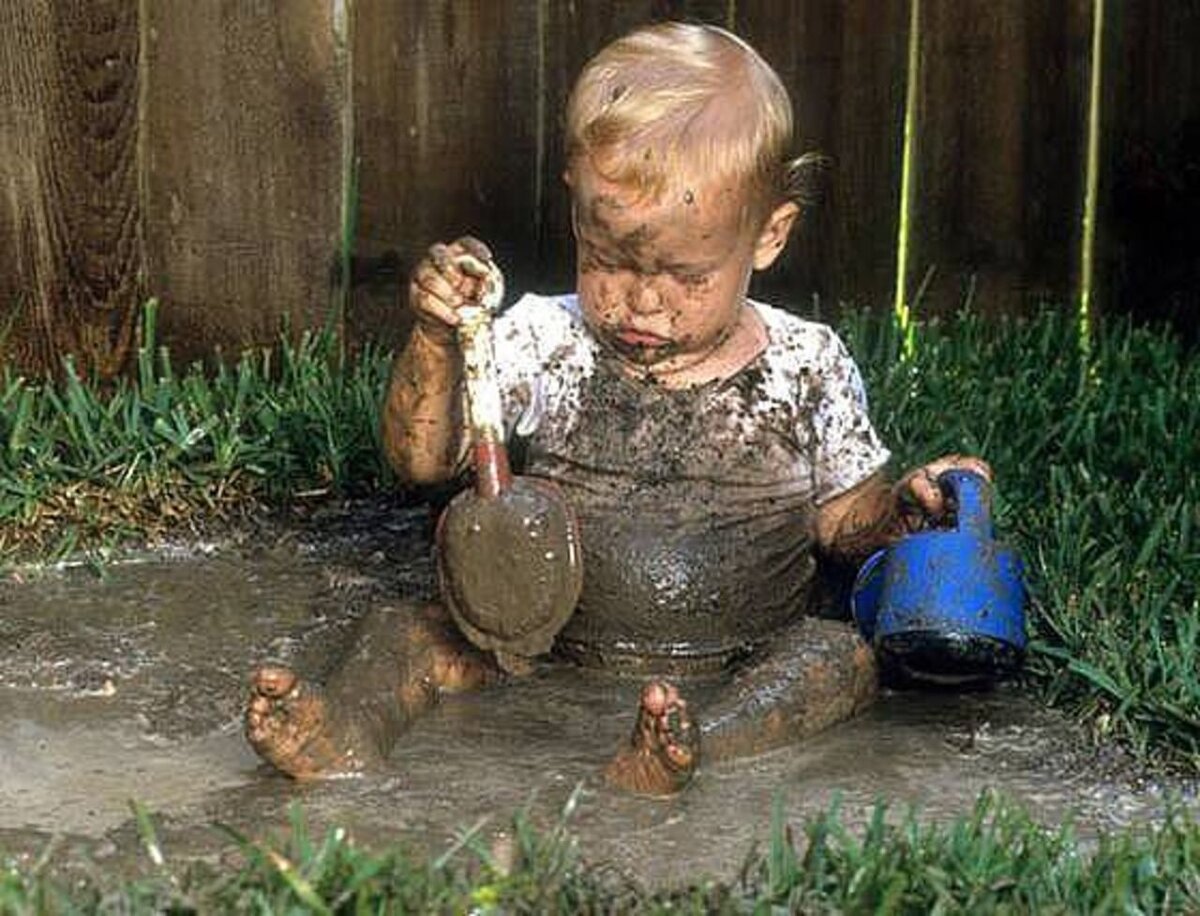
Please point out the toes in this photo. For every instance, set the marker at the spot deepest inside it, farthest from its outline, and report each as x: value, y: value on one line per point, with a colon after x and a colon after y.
x: 676, y: 735
x: 655, y: 698
x: 274, y: 682
x: 279, y: 708
x: 664, y: 727
x: 664, y: 751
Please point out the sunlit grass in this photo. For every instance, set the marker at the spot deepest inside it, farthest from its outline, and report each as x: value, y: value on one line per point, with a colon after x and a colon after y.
x: 995, y: 859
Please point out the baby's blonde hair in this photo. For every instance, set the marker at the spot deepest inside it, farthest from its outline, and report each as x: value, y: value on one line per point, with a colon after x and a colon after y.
x: 676, y: 100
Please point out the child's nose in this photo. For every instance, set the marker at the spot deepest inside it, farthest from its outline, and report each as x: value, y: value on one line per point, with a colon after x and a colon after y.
x: 643, y: 297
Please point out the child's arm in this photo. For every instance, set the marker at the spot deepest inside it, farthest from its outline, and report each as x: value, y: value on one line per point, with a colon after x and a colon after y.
x: 875, y: 513
x: 422, y: 422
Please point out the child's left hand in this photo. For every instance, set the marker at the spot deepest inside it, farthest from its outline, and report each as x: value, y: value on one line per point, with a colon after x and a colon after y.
x: 921, y: 499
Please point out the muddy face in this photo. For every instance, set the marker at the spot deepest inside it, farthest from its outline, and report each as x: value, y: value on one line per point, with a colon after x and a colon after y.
x: 662, y: 277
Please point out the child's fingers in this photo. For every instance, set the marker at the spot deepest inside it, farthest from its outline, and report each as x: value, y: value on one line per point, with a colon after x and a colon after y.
x: 430, y: 307
x: 442, y: 258
x: 447, y: 278
x: 477, y: 249
x: 939, y: 466
x: 923, y: 486
x: 440, y: 284
x: 461, y: 264
x: 435, y: 286
x: 433, y: 297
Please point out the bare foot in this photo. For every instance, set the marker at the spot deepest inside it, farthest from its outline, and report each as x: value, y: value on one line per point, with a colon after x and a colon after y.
x: 287, y: 724
x: 664, y: 748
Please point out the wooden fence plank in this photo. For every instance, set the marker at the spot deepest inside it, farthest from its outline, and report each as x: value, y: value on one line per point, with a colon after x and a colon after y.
x: 843, y: 64
x: 1150, y: 243
x: 1000, y: 152
x: 244, y: 149
x: 69, y: 242
x: 445, y: 130
x: 204, y: 149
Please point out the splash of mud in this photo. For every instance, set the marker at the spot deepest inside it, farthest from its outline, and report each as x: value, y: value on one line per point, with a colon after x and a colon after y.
x: 130, y: 687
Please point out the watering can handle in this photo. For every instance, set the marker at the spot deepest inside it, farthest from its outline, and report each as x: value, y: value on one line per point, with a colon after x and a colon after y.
x: 971, y: 495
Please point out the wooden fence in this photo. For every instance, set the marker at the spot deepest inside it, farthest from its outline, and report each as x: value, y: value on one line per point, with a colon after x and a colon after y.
x: 249, y: 162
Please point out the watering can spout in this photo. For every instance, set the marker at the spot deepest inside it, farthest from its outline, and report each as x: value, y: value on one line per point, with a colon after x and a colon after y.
x: 946, y: 606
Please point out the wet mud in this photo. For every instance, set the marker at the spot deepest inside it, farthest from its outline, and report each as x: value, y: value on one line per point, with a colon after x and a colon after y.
x: 510, y: 566
x: 130, y: 687
x: 690, y: 483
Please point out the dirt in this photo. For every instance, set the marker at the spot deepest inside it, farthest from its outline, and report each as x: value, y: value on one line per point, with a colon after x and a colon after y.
x: 515, y: 607
x: 129, y: 686
x: 721, y: 536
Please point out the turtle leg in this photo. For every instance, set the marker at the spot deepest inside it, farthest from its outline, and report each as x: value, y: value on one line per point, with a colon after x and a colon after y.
x: 402, y: 660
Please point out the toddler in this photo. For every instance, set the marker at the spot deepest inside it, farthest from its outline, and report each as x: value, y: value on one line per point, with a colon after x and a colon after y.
x: 709, y: 444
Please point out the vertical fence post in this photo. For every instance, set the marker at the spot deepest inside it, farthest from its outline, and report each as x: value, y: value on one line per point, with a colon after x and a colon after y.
x: 903, y: 308
x: 1087, y: 243
x: 343, y: 25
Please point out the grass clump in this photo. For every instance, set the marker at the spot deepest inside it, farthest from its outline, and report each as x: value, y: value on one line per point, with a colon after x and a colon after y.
x: 993, y: 860
x: 1095, y: 457
x: 166, y: 452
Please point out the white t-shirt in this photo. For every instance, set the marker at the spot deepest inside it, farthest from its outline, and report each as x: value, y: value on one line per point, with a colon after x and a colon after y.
x: 695, y: 505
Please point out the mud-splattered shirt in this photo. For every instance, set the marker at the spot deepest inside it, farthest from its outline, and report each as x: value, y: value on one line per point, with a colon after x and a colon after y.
x: 696, y: 505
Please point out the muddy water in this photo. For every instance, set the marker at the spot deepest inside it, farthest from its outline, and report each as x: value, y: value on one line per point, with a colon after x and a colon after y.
x: 129, y: 686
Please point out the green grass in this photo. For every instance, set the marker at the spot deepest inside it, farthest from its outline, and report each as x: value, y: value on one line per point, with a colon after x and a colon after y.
x: 1095, y: 467
x: 167, y: 451
x: 1096, y: 488
x: 992, y: 860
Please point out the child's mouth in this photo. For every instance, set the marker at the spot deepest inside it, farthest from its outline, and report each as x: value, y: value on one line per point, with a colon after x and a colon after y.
x: 640, y: 340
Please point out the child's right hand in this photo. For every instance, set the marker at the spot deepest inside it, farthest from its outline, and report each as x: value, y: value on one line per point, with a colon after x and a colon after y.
x: 443, y: 282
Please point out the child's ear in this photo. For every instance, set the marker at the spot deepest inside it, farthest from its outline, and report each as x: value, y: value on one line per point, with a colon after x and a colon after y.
x: 774, y: 234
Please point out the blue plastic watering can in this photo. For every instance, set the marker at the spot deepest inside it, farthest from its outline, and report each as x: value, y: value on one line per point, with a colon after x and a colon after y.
x: 946, y: 606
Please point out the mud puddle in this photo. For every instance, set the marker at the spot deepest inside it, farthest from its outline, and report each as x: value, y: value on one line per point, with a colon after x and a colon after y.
x: 130, y: 686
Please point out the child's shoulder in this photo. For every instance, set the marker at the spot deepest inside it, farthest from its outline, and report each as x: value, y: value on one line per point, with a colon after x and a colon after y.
x: 538, y: 330
x: 798, y: 341
x: 545, y: 317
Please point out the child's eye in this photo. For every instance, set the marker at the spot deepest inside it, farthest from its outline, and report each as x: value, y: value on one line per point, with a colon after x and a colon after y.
x: 693, y: 278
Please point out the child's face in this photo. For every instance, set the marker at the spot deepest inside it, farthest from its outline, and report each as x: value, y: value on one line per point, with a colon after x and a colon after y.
x: 662, y: 280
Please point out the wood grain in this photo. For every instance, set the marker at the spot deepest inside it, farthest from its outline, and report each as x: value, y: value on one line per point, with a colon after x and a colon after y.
x: 69, y: 212
x: 999, y: 175
x: 200, y: 153
x: 243, y: 185
x: 1149, y: 245
x: 445, y: 130
x: 843, y: 64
